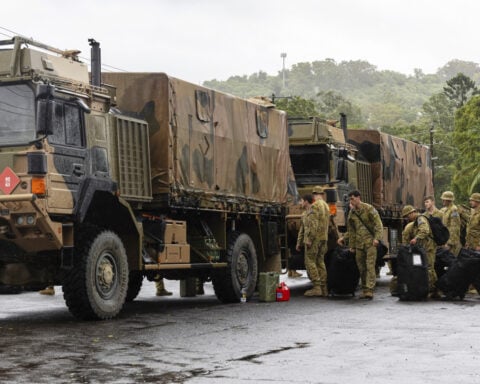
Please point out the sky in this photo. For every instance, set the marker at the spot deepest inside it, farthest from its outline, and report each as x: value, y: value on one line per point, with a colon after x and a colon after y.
x: 199, y: 40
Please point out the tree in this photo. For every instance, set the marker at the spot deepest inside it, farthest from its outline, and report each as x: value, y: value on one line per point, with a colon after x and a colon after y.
x: 297, y: 107
x: 459, y: 89
x: 438, y: 123
x: 466, y: 139
x: 331, y: 104
x: 454, y: 67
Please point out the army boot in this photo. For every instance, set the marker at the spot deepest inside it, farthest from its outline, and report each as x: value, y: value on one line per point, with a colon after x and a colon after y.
x: 161, y: 291
x: 293, y: 273
x: 50, y: 290
x: 367, y: 295
x: 324, y: 290
x: 315, y: 291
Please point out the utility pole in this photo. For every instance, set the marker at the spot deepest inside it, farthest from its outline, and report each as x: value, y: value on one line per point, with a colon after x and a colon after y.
x: 432, y: 156
x: 283, y: 55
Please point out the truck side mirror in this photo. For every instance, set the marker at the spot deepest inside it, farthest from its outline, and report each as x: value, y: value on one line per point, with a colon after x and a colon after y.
x: 341, y: 171
x: 44, y: 108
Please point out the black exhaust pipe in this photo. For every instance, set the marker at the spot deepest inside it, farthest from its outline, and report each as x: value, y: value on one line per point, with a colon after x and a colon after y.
x: 343, y: 124
x: 96, y: 63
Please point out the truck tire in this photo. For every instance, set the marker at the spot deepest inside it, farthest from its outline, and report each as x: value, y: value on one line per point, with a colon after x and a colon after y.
x: 241, y: 272
x: 135, y: 280
x: 96, y: 287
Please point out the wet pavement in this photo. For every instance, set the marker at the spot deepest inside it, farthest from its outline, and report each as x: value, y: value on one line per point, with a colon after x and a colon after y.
x: 200, y: 340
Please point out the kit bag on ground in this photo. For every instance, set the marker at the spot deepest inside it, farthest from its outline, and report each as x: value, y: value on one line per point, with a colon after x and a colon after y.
x: 440, y: 232
x: 443, y: 260
x: 342, y: 272
x: 412, y: 273
x: 463, y: 272
x: 382, y: 250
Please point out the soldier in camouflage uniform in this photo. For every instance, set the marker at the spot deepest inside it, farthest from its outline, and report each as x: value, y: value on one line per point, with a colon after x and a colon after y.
x: 322, y: 210
x: 364, y: 232
x: 430, y: 209
x: 418, y: 232
x: 472, y: 239
x: 308, y: 237
x: 451, y: 219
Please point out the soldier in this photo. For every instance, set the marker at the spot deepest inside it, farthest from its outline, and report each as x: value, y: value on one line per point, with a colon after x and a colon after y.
x: 430, y: 208
x: 472, y: 239
x: 323, y: 212
x: 364, y: 232
x: 418, y: 232
x: 160, y: 285
x: 308, y: 237
x: 451, y: 219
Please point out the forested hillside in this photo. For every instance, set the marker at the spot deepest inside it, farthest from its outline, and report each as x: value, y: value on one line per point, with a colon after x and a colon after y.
x: 419, y: 107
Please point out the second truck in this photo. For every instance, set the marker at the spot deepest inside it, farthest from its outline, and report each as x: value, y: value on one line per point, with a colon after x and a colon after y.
x: 389, y: 172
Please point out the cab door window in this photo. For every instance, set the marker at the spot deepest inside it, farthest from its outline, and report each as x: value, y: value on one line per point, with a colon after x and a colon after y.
x: 66, y: 121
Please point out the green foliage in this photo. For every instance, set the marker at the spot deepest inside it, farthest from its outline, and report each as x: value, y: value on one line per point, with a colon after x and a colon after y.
x: 454, y: 67
x: 297, y: 106
x: 332, y: 104
x: 466, y: 139
x: 459, y: 89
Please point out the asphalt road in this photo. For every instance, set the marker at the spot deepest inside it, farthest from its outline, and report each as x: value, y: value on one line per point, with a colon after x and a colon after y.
x: 199, y: 340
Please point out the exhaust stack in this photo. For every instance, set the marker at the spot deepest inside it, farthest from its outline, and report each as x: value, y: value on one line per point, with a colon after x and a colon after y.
x: 96, y: 63
x: 343, y: 124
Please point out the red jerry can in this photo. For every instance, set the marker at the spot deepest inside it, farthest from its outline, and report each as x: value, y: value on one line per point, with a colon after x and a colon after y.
x: 283, y: 292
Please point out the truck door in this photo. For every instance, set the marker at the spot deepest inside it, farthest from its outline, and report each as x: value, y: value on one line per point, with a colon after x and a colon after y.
x: 68, y: 160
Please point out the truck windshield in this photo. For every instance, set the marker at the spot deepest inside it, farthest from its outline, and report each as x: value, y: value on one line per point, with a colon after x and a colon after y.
x: 310, y: 164
x: 17, y: 114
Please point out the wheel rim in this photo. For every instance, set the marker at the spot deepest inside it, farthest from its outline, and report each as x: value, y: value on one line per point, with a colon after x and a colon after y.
x: 242, y: 269
x: 106, y: 275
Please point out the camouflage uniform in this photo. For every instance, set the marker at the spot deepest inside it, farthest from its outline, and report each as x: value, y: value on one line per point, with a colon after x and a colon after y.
x: 407, y: 233
x: 472, y: 239
x: 360, y: 238
x: 322, y: 211
x: 436, y: 213
x: 420, y: 230
x: 451, y: 219
x: 309, y: 233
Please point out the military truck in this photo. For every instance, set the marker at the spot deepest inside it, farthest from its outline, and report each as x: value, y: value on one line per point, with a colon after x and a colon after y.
x: 388, y: 171
x: 105, y: 182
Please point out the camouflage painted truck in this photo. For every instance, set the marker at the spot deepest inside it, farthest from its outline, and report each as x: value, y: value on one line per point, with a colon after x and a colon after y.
x: 388, y: 171
x: 148, y: 177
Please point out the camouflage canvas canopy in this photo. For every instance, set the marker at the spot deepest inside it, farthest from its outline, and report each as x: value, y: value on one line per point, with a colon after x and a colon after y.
x: 205, y: 144
x: 401, y: 169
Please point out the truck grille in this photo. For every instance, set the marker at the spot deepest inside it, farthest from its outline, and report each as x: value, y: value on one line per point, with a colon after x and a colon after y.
x: 133, y: 159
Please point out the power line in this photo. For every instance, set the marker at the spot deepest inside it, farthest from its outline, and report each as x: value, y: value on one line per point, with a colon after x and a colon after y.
x: 87, y: 59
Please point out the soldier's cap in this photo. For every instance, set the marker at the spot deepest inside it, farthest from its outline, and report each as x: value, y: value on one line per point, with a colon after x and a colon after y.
x: 317, y: 190
x: 475, y: 197
x: 448, y: 195
x: 407, y: 210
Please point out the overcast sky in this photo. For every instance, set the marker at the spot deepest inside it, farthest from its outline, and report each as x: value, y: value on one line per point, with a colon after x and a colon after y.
x: 198, y: 40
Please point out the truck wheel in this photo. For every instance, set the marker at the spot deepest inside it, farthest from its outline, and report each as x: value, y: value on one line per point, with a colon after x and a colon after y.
x: 96, y: 287
x: 135, y: 280
x: 241, y: 272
